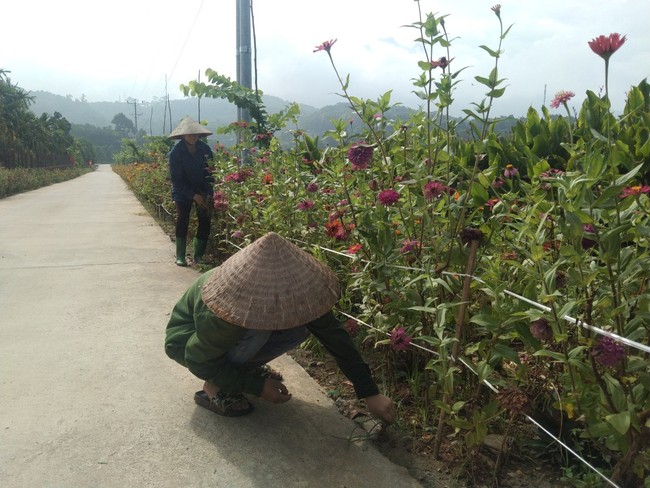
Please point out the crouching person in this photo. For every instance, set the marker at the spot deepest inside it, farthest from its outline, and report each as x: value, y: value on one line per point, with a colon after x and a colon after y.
x: 261, y: 302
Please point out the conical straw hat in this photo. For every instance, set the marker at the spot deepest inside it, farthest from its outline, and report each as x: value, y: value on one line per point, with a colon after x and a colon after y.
x: 271, y: 284
x: 187, y: 127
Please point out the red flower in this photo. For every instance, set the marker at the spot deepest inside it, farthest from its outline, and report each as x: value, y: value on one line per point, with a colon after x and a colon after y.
x: 408, y: 246
x: 388, y: 197
x: 267, y: 179
x: 335, y: 229
x: 354, y: 248
x: 441, y: 63
x: 352, y: 327
x: 220, y: 201
x: 605, y: 46
x: 561, y: 98
x: 634, y: 190
x: 325, y: 46
x: 399, y: 339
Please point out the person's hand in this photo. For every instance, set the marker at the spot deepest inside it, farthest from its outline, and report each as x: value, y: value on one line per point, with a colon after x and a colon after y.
x: 199, y: 199
x: 274, y: 391
x: 383, y: 407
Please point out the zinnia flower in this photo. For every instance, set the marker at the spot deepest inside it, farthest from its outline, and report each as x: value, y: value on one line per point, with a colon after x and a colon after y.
x: 586, y: 242
x: 388, y: 197
x: 634, y: 190
x: 360, y: 155
x: 408, y: 246
x: 354, y: 248
x: 238, y: 234
x: 325, y: 46
x: 399, y: 339
x: 497, y: 9
x: 510, y: 171
x: 605, y: 46
x: 561, y: 98
x: 220, y: 201
x: 441, y: 63
x: 305, y: 205
x: 267, y: 179
x: 541, y: 330
x: 335, y: 229
x: 434, y: 189
x: 608, y: 352
x: 312, y: 187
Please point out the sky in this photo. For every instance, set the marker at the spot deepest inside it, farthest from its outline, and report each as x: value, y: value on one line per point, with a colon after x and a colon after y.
x: 143, y: 49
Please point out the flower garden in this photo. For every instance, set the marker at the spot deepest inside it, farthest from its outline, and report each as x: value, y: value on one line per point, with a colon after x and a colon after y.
x: 501, y: 279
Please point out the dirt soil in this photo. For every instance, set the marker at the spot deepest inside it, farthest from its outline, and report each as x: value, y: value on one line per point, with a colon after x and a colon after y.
x: 413, y: 449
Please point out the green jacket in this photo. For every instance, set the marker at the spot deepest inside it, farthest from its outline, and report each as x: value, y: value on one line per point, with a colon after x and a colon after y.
x: 199, y: 340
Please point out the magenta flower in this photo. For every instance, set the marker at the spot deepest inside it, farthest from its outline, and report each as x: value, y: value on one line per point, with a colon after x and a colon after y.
x: 586, y: 242
x: 634, y: 190
x: 434, y: 189
x: 238, y: 234
x: 220, y: 201
x: 561, y: 98
x: 510, y: 171
x: 312, y: 187
x: 305, y: 205
x: 605, y: 46
x: 408, y: 246
x: 399, y: 339
x: 360, y: 155
x: 239, y: 176
x: 608, y: 352
x: 325, y: 46
x: 388, y: 197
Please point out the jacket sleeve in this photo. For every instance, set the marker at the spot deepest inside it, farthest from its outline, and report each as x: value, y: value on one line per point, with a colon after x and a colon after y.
x: 339, y: 344
x: 205, y: 356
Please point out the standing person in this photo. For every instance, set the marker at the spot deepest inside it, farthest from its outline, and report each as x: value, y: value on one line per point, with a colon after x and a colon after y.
x: 191, y: 185
x: 261, y: 302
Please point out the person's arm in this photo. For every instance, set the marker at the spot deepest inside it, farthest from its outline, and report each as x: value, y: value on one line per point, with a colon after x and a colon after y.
x: 340, y: 345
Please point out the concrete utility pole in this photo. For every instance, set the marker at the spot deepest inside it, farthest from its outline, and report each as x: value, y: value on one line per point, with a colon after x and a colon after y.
x: 244, y: 76
x: 135, y: 115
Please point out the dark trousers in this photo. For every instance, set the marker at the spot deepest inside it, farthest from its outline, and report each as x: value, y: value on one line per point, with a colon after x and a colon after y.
x: 183, y: 211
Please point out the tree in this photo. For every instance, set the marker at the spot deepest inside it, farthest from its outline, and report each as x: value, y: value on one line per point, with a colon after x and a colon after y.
x: 123, y: 125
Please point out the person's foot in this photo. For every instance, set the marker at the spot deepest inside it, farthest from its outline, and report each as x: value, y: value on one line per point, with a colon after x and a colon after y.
x: 240, y: 405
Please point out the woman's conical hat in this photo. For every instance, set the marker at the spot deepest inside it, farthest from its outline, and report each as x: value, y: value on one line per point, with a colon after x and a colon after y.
x: 187, y: 127
x: 271, y: 284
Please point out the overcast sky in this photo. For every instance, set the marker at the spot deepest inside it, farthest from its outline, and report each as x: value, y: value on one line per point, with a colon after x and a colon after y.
x: 109, y: 51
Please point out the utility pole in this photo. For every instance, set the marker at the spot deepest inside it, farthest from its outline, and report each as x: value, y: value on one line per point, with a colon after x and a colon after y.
x: 244, y: 77
x: 135, y: 115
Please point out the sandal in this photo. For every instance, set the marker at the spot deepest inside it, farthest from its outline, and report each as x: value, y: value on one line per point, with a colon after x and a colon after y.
x: 222, y: 403
x: 266, y: 371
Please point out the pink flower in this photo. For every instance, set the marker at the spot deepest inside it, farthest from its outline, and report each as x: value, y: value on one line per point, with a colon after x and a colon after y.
x: 220, y: 201
x: 239, y: 176
x: 605, y: 46
x: 238, y: 234
x: 498, y: 183
x: 325, y: 46
x: 561, y: 98
x: 388, y: 197
x: 634, y: 190
x: 441, y: 63
x: 510, y: 171
x: 360, y: 155
x: 305, y: 205
x: 399, y: 339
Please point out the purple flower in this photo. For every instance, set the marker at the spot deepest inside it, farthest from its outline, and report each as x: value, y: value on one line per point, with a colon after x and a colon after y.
x: 588, y: 243
x: 312, y: 187
x: 388, y: 197
x: 399, y: 339
x: 360, y: 155
x: 305, y: 205
x: 608, y: 352
x: 408, y: 246
x: 238, y: 234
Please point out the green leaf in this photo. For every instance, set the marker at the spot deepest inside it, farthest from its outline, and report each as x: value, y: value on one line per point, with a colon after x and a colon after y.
x: 620, y: 421
x: 494, y: 54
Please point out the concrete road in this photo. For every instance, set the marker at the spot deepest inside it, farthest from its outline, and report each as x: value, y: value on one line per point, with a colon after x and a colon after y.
x: 88, y: 397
